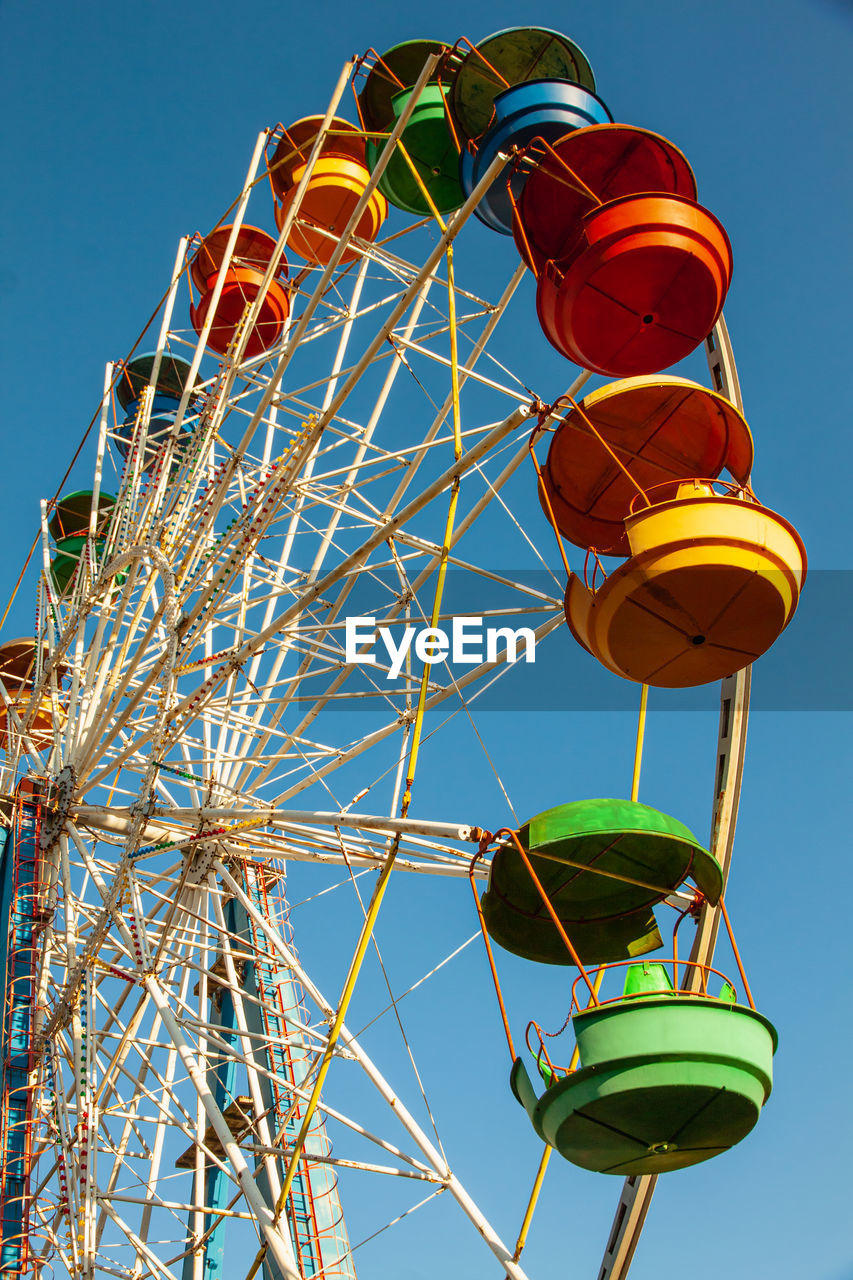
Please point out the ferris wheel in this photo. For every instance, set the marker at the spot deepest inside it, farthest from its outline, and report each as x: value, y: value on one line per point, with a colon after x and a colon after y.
x: 278, y: 588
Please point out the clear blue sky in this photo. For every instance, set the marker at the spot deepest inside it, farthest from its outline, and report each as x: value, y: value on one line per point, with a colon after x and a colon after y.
x: 129, y: 124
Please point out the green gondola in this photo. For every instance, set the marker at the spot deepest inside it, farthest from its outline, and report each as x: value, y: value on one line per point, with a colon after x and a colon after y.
x: 666, y: 1080
x: 580, y: 852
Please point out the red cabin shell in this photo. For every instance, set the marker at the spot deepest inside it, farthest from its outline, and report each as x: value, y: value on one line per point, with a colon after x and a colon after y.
x: 586, y: 168
x: 253, y: 251
x: 643, y: 288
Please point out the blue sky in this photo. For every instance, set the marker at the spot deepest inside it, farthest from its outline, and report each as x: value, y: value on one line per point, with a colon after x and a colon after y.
x: 129, y: 124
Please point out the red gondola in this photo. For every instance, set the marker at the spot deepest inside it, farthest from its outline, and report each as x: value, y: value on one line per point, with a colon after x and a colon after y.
x: 586, y: 168
x: 253, y: 251
x: 643, y: 287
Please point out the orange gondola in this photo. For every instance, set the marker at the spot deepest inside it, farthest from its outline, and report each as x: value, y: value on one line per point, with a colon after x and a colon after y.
x: 17, y: 669
x: 337, y: 183
x: 643, y: 287
x: 244, y: 276
x: 635, y: 434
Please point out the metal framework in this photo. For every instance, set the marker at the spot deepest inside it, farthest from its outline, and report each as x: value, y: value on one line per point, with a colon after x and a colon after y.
x: 200, y: 693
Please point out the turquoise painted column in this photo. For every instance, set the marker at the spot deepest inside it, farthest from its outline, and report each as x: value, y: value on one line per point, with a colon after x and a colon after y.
x: 222, y: 1081
x: 19, y: 905
x: 314, y: 1212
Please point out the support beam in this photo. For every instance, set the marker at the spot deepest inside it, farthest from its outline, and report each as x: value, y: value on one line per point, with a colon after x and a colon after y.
x: 118, y: 820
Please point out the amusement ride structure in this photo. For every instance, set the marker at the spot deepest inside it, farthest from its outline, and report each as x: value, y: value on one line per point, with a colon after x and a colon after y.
x: 306, y: 434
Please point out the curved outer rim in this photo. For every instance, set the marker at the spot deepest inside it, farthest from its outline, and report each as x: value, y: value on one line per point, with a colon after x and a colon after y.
x: 675, y: 1000
x: 636, y: 1195
x: 735, y: 699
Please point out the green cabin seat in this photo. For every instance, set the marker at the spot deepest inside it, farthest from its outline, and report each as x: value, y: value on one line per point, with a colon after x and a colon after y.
x: 427, y: 137
x: 65, y: 561
x: 606, y: 918
x: 398, y: 68
x: 432, y: 150
x: 664, y: 1082
x: 646, y: 979
x: 548, y: 1076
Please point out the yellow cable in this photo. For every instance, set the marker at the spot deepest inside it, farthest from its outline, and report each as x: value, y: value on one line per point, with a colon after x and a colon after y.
x: 531, y: 1204
x: 454, y: 492
x: 638, y: 750
x: 422, y: 185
